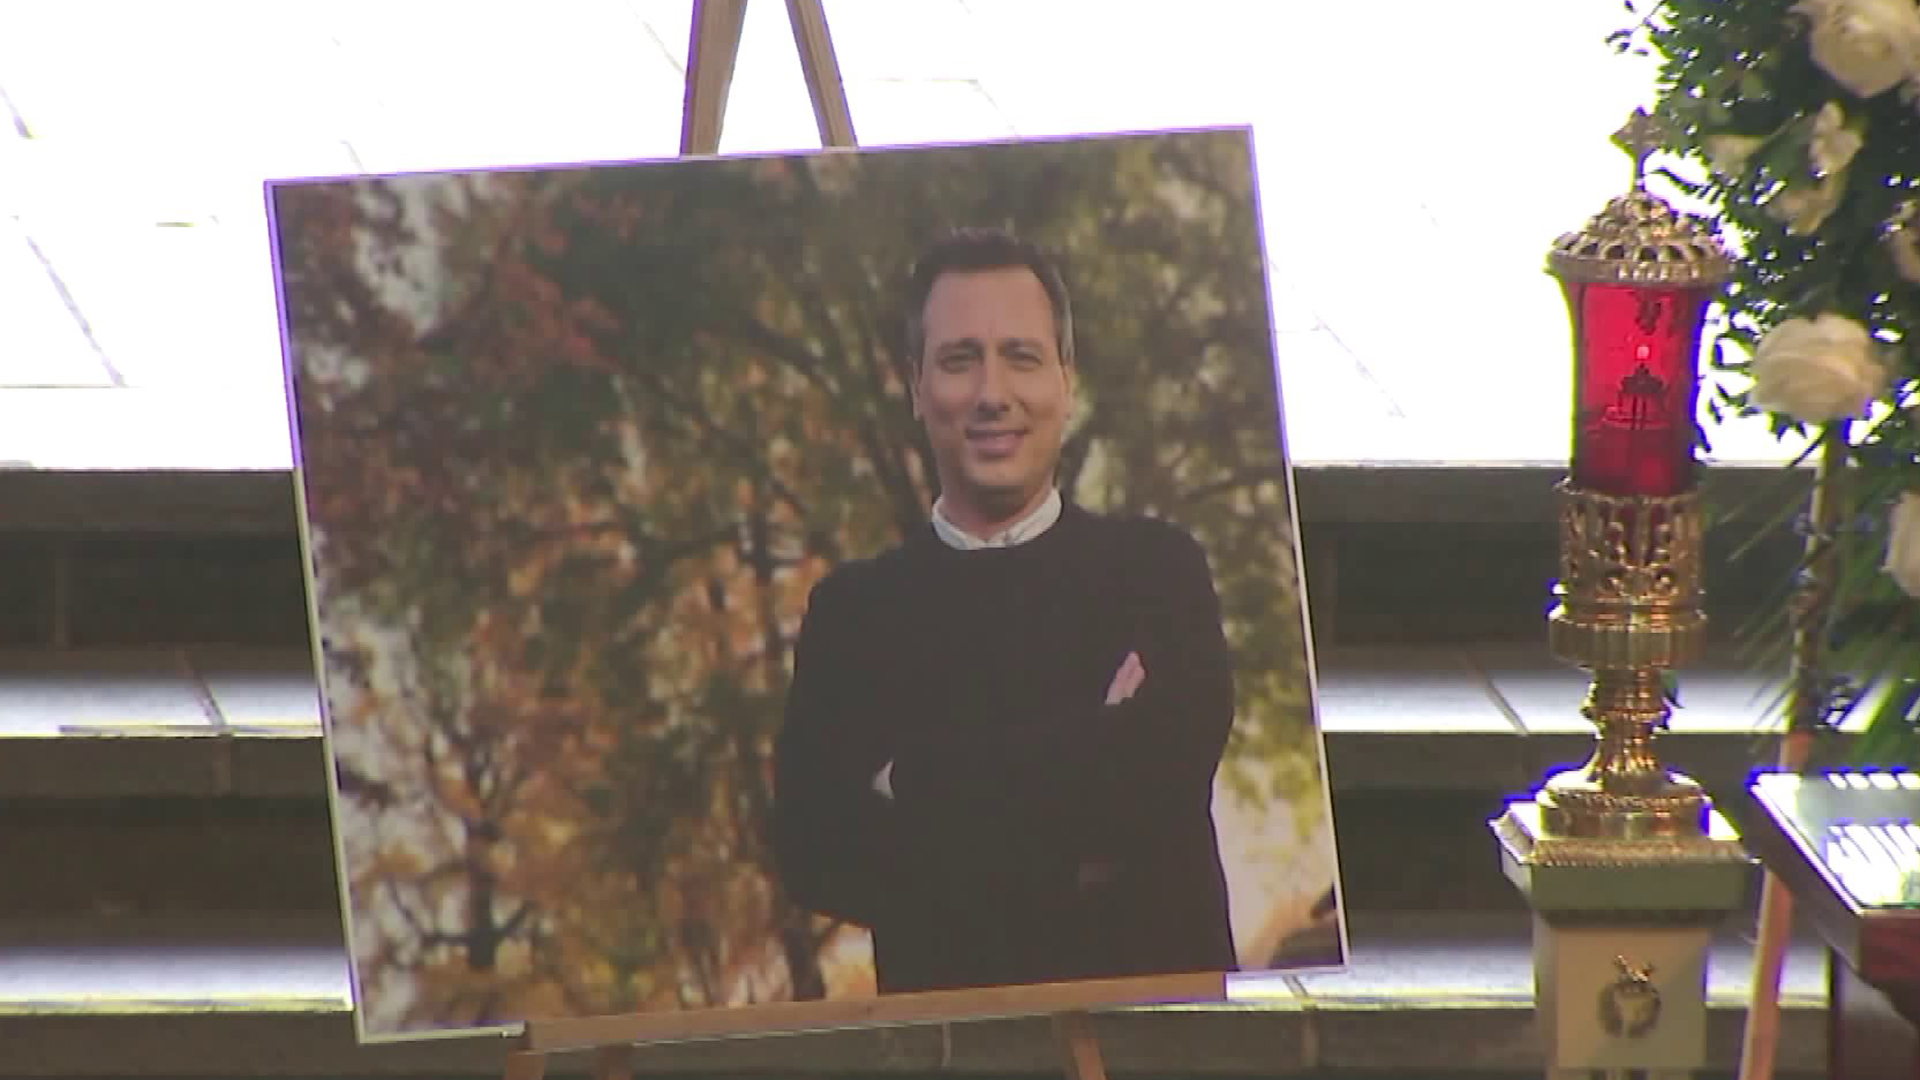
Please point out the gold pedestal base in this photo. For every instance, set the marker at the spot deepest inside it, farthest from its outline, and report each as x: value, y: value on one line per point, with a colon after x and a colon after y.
x: 1623, y: 792
x: 1671, y: 874
x: 1578, y: 804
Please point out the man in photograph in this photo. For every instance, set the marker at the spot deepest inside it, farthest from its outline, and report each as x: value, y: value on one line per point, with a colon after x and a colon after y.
x: 1000, y: 743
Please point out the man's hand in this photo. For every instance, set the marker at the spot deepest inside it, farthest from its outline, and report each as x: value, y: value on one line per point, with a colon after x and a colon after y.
x: 883, y: 781
x: 1128, y: 679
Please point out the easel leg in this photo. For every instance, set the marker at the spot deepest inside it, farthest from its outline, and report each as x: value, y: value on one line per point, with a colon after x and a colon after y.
x: 712, y: 48
x: 1079, y: 1050
x: 822, y: 72
x: 526, y: 1065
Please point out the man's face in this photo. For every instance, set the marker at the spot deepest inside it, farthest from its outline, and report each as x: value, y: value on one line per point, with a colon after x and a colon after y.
x: 993, y: 392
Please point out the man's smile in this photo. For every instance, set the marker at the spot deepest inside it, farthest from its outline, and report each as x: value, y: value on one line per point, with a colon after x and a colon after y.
x: 995, y: 442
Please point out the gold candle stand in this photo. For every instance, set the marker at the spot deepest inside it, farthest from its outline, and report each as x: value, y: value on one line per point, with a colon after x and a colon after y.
x: 1626, y: 865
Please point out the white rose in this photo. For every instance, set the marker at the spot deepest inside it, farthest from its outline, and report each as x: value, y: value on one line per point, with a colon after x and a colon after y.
x: 1805, y: 207
x: 1868, y: 46
x: 1728, y: 154
x: 1816, y: 370
x: 1903, y: 544
x: 1833, y: 143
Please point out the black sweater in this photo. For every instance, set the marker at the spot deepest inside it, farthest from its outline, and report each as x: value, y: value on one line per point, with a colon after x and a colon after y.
x: 1036, y: 834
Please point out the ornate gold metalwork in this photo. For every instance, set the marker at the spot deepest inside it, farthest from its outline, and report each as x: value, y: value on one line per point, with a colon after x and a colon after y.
x: 1639, y: 238
x: 1629, y: 611
x: 1547, y: 850
x: 1629, y: 580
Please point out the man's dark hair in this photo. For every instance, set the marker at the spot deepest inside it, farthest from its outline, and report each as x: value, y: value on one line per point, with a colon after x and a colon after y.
x: 975, y: 249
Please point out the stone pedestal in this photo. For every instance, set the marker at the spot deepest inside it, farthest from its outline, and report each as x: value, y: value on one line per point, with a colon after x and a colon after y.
x: 1620, y: 935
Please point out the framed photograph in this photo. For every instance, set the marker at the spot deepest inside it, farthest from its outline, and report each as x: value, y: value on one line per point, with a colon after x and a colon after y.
x: 802, y: 591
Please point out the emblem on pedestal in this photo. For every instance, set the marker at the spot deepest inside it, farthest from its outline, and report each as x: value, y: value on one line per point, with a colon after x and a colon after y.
x: 1630, y: 1004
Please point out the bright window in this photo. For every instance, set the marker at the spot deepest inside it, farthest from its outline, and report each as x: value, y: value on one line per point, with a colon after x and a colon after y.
x: 1415, y: 164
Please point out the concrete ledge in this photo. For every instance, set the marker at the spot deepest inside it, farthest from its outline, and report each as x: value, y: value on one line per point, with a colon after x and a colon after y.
x: 1437, y: 1037
x: 1427, y: 993
x: 213, y: 764
x: 221, y: 722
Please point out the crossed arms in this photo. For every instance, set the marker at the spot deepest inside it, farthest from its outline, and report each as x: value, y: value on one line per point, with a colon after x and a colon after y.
x: 854, y: 798
x: 1127, y: 679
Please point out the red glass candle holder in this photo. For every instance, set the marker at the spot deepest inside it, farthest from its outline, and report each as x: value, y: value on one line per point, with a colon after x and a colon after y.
x: 1637, y: 281
x: 1636, y: 386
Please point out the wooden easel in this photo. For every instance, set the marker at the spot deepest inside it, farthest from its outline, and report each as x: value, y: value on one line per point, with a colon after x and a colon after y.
x: 712, y: 49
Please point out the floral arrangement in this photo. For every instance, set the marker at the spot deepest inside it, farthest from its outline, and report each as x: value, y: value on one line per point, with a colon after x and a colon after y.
x: 1806, y: 117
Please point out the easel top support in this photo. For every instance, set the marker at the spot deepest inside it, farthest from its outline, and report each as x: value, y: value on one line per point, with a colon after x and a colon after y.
x: 713, y: 49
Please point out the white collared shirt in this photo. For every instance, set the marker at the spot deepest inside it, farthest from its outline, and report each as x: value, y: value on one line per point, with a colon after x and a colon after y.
x: 1019, y: 532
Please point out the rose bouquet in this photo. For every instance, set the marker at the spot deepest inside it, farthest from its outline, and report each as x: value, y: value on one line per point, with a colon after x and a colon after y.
x: 1806, y: 117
